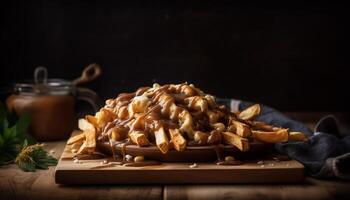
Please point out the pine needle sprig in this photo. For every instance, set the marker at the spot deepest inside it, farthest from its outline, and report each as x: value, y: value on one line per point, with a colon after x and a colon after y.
x: 32, y: 157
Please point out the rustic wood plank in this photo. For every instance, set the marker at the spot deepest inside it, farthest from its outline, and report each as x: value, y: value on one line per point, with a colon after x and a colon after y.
x: 68, y: 172
x: 16, y: 184
x: 309, y: 189
x: 90, y: 172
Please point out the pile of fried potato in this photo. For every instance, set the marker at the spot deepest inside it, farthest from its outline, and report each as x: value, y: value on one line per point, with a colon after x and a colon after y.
x: 173, y: 117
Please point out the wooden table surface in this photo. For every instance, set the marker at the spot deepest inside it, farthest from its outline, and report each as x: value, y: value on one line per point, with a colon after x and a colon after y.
x: 16, y: 184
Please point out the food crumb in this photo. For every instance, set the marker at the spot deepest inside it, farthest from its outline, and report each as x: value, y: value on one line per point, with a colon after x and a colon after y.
x: 128, y: 157
x: 262, y: 165
x: 194, y: 165
x: 104, y: 162
x: 77, y: 161
x: 261, y: 162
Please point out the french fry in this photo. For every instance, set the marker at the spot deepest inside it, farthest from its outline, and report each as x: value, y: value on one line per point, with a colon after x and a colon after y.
x: 76, y: 146
x: 297, y: 136
x: 214, y: 137
x: 103, y: 117
x: 84, y: 124
x: 186, y: 122
x: 89, y: 144
x: 239, y: 128
x: 79, y: 137
x: 117, y: 133
x: 139, y: 123
x: 147, y: 115
x: 201, y: 137
x: 235, y: 140
x: 139, y: 138
x: 177, y: 139
x: 92, y: 120
x: 250, y: 112
x: 161, y: 140
x: 271, y: 136
x: 256, y: 125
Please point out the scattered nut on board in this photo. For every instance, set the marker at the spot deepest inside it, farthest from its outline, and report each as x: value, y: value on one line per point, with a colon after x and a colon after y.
x: 139, y: 159
x: 229, y: 158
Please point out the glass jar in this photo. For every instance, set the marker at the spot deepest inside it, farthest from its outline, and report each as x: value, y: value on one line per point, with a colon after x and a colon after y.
x: 50, y: 104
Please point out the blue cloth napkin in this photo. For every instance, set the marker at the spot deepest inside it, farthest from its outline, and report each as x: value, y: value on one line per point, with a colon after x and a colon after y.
x: 325, y: 155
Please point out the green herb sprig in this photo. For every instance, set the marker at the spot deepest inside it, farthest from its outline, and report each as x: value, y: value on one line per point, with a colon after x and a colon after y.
x: 18, y: 146
x: 34, y: 156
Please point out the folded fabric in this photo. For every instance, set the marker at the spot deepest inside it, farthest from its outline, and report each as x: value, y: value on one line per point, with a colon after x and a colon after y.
x: 325, y: 155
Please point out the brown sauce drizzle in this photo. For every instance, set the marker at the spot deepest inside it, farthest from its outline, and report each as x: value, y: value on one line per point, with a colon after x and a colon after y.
x: 220, y: 157
x: 124, y: 150
x: 161, y: 112
x: 219, y: 153
x: 124, y: 162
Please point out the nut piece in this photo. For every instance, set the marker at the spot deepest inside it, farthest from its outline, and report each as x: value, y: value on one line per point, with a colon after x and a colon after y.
x: 139, y: 159
x: 229, y: 158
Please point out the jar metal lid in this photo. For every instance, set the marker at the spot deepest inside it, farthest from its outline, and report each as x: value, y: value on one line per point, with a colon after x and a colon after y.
x: 51, y: 87
x: 41, y: 85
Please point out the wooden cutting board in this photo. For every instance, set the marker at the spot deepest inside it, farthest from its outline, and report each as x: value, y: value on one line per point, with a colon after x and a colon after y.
x: 68, y: 172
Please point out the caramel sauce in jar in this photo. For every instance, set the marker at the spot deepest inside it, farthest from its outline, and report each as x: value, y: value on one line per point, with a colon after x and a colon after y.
x: 50, y: 103
x: 51, y: 116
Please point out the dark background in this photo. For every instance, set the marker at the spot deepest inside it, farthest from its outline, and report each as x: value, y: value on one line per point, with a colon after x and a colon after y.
x: 290, y: 56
